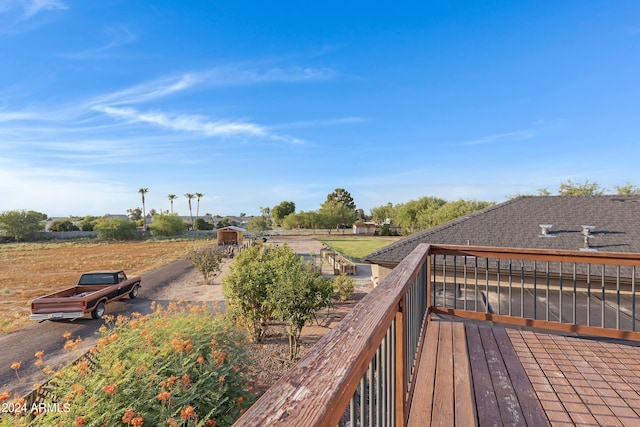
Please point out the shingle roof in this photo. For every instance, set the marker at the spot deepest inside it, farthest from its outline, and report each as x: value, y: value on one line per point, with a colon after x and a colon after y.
x: 516, y: 223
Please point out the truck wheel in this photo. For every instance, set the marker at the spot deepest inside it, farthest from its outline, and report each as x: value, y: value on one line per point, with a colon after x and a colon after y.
x: 134, y: 291
x: 98, y: 312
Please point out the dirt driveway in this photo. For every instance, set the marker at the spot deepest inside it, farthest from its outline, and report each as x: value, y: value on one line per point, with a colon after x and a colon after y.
x: 191, y: 285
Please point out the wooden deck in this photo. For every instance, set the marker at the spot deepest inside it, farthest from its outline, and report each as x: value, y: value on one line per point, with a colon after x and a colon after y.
x: 475, y: 374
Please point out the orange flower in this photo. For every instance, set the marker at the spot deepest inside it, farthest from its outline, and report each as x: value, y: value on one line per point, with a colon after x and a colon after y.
x: 113, y: 337
x: 69, y: 344
x: 211, y: 423
x: 188, y: 412
x: 185, y: 381
x: 128, y: 416
x: 16, y: 365
x: 4, y: 396
x: 80, y: 421
x: 38, y: 362
x: 171, y: 422
x: 66, y: 335
x: 137, y: 421
x: 164, y: 396
x: 110, y: 389
x: 39, y: 354
x: 77, y: 389
x: 102, y: 329
x: 200, y: 359
x: 240, y: 400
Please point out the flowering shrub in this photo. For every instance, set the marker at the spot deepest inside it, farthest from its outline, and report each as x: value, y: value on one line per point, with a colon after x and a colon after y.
x: 183, y: 365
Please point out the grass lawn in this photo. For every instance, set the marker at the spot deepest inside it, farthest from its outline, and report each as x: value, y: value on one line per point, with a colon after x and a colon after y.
x: 357, y: 247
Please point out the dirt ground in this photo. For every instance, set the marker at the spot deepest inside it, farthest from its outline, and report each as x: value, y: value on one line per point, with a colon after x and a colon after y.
x: 275, y: 346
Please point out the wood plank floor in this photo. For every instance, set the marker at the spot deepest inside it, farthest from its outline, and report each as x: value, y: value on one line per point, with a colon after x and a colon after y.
x: 483, y: 375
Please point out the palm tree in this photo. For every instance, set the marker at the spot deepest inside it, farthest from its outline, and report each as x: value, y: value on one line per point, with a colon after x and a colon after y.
x: 199, y: 196
x: 144, y: 191
x: 190, y: 197
x: 172, y: 197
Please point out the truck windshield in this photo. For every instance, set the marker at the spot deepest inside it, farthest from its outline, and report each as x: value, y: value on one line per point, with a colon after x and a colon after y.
x: 97, y: 279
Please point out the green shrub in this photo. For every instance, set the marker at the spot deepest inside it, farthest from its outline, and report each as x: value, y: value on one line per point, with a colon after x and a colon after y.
x: 21, y: 225
x: 183, y: 365
x: 207, y: 260
x: 63, y: 224
x: 344, y: 287
x: 116, y: 229
x: 201, y: 224
x: 167, y: 225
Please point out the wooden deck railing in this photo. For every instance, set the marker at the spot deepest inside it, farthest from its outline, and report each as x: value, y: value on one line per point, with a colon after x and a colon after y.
x: 362, y: 371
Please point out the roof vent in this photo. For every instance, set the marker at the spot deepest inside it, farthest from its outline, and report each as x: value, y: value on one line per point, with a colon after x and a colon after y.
x: 544, y: 230
x: 586, y: 233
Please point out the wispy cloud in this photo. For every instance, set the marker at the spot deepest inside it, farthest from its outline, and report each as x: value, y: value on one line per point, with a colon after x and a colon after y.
x: 33, y: 7
x: 223, y: 76
x: 520, y: 135
x: 186, y: 122
x: 321, y: 123
x: 17, y: 16
x: 118, y: 35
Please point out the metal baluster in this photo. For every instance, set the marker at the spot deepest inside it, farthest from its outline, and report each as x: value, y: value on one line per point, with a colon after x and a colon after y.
x: 560, y: 294
x: 588, y: 294
x: 444, y: 280
x: 498, y: 285
x: 486, y: 282
x: 510, y: 286
x: 633, y: 298
x: 383, y: 381
x: 522, y: 288
x: 618, y: 297
x: 602, y: 303
x: 464, y: 297
x: 455, y: 281
x: 535, y: 293
x: 475, y: 284
x: 363, y: 401
x: 547, y: 295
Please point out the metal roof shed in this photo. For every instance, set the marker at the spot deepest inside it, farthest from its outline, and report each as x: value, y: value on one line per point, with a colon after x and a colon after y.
x: 231, y: 235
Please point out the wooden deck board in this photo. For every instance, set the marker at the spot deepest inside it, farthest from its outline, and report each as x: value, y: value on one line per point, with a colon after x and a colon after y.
x: 486, y: 375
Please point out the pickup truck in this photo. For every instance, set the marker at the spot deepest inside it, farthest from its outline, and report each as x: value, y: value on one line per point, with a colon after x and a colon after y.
x: 94, y: 290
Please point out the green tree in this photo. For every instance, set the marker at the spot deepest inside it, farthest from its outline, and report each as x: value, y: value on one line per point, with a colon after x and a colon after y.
x: 257, y: 223
x: 627, y: 190
x: 88, y: 222
x: 459, y: 208
x: 291, y: 221
x: 279, y: 212
x: 135, y: 214
x: 586, y: 188
x: 63, y: 224
x: 201, y: 224
x: 22, y: 225
x: 190, y: 197
x: 297, y: 293
x: 207, y: 260
x: 198, y: 197
x: 167, y: 225
x: 342, y: 196
x: 417, y: 214
x: 383, y: 213
x: 172, y: 197
x: 142, y: 192
x: 336, y: 215
x: 116, y: 229
x: 246, y: 290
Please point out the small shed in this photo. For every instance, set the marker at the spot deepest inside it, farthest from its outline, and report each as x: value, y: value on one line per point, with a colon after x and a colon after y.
x: 368, y: 228
x: 231, y: 235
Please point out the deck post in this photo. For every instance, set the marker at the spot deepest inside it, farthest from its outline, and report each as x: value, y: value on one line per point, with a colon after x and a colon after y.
x: 401, y: 363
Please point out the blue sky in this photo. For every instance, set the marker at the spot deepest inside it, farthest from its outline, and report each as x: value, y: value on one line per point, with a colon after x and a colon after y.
x: 252, y: 103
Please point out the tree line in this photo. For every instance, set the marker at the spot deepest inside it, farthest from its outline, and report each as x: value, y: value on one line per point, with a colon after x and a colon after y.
x: 338, y: 211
